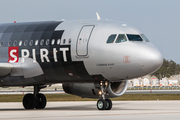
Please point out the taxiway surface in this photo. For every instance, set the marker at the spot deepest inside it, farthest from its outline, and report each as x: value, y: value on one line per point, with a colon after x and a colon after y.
x: 86, y: 110
x: 174, y: 91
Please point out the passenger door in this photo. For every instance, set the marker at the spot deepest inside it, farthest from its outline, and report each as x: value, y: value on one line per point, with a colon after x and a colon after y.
x: 83, y: 40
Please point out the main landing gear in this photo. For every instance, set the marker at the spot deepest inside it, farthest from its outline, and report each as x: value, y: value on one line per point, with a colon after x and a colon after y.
x: 36, y: 100
x: 103, y: 103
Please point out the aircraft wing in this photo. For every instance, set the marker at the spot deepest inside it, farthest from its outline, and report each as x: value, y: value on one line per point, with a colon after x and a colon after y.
x: 5, y: 68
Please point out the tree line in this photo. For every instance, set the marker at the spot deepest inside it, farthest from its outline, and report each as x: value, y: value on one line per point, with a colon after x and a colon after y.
x: 168, y: 69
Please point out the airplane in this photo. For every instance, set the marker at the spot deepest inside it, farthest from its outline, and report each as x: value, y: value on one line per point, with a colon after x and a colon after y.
x: 91, y: 58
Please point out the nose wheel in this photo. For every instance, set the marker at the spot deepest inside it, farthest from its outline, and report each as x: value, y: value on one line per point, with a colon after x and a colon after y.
x: 104, y: 104
x: 101, y: 104
x: 108, y: 104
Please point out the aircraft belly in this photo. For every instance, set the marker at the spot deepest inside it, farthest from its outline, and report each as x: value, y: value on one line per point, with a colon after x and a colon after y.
x: 21, y: 81
x: 66, y: 72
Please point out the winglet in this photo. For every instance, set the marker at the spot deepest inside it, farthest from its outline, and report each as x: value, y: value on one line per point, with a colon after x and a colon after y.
x: 98, y: 17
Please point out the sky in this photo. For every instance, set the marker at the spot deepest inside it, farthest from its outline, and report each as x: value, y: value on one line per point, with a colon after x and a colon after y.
x: 159, y: 20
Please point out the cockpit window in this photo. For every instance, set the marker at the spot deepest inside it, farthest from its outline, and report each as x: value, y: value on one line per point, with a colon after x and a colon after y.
x: 111, y: 38
x: 144, y: 37
x: 121, y: 38
x: 134, y: 37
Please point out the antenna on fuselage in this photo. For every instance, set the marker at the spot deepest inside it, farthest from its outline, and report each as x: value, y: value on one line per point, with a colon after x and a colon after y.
x: 98, y: 17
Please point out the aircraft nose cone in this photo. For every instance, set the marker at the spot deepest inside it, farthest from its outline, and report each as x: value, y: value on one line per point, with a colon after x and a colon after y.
x: 150, y: 60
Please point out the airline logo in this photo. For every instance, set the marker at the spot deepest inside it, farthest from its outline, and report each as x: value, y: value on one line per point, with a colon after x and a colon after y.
x: 13, y: 53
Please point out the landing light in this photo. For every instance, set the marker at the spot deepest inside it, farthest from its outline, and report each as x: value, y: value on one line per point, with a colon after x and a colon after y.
x: 100, y: 92
x: 106, y: 83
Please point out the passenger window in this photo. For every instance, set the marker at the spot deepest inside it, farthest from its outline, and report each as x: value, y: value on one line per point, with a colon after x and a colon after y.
x: 47, y: 42
x: 1, y: 44
x: 58, y: 41
x: 20, y: 42
x: 134, y: 37
x: 15, y: 43
x: 36, y: 43
x: 9, y: 44
x: 53, y: 41
x: 70, y: 41
x: 111, y: 38
x: 121, y: 38
x: 31, y: 43
x: 25, y: 43
x: 42, y: 42
x: 64, y: 41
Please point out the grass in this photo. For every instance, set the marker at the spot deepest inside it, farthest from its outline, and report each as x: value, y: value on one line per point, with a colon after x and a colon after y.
x: 67, y: 97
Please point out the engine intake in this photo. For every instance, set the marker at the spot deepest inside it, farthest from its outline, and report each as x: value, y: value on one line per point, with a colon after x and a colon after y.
x: 117, y: 89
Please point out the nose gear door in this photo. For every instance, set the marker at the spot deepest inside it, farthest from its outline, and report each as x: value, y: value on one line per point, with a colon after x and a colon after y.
x: 83, y: 40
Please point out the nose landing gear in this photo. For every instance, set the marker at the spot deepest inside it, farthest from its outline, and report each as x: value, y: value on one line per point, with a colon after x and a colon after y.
x: 36, y: 100
x: 104, y: 104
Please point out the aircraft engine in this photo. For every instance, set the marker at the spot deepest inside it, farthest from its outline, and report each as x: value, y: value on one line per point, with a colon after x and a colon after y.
x: 91, y: 90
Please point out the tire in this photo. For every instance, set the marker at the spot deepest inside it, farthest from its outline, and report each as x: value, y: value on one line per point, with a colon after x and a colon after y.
x: 41, y: 101
x: 29, y: 101
x: 108, y: 104
x: 101, y: 104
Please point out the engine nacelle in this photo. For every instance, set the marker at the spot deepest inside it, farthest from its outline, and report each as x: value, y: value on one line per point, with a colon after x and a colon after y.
x: 91, y: 90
